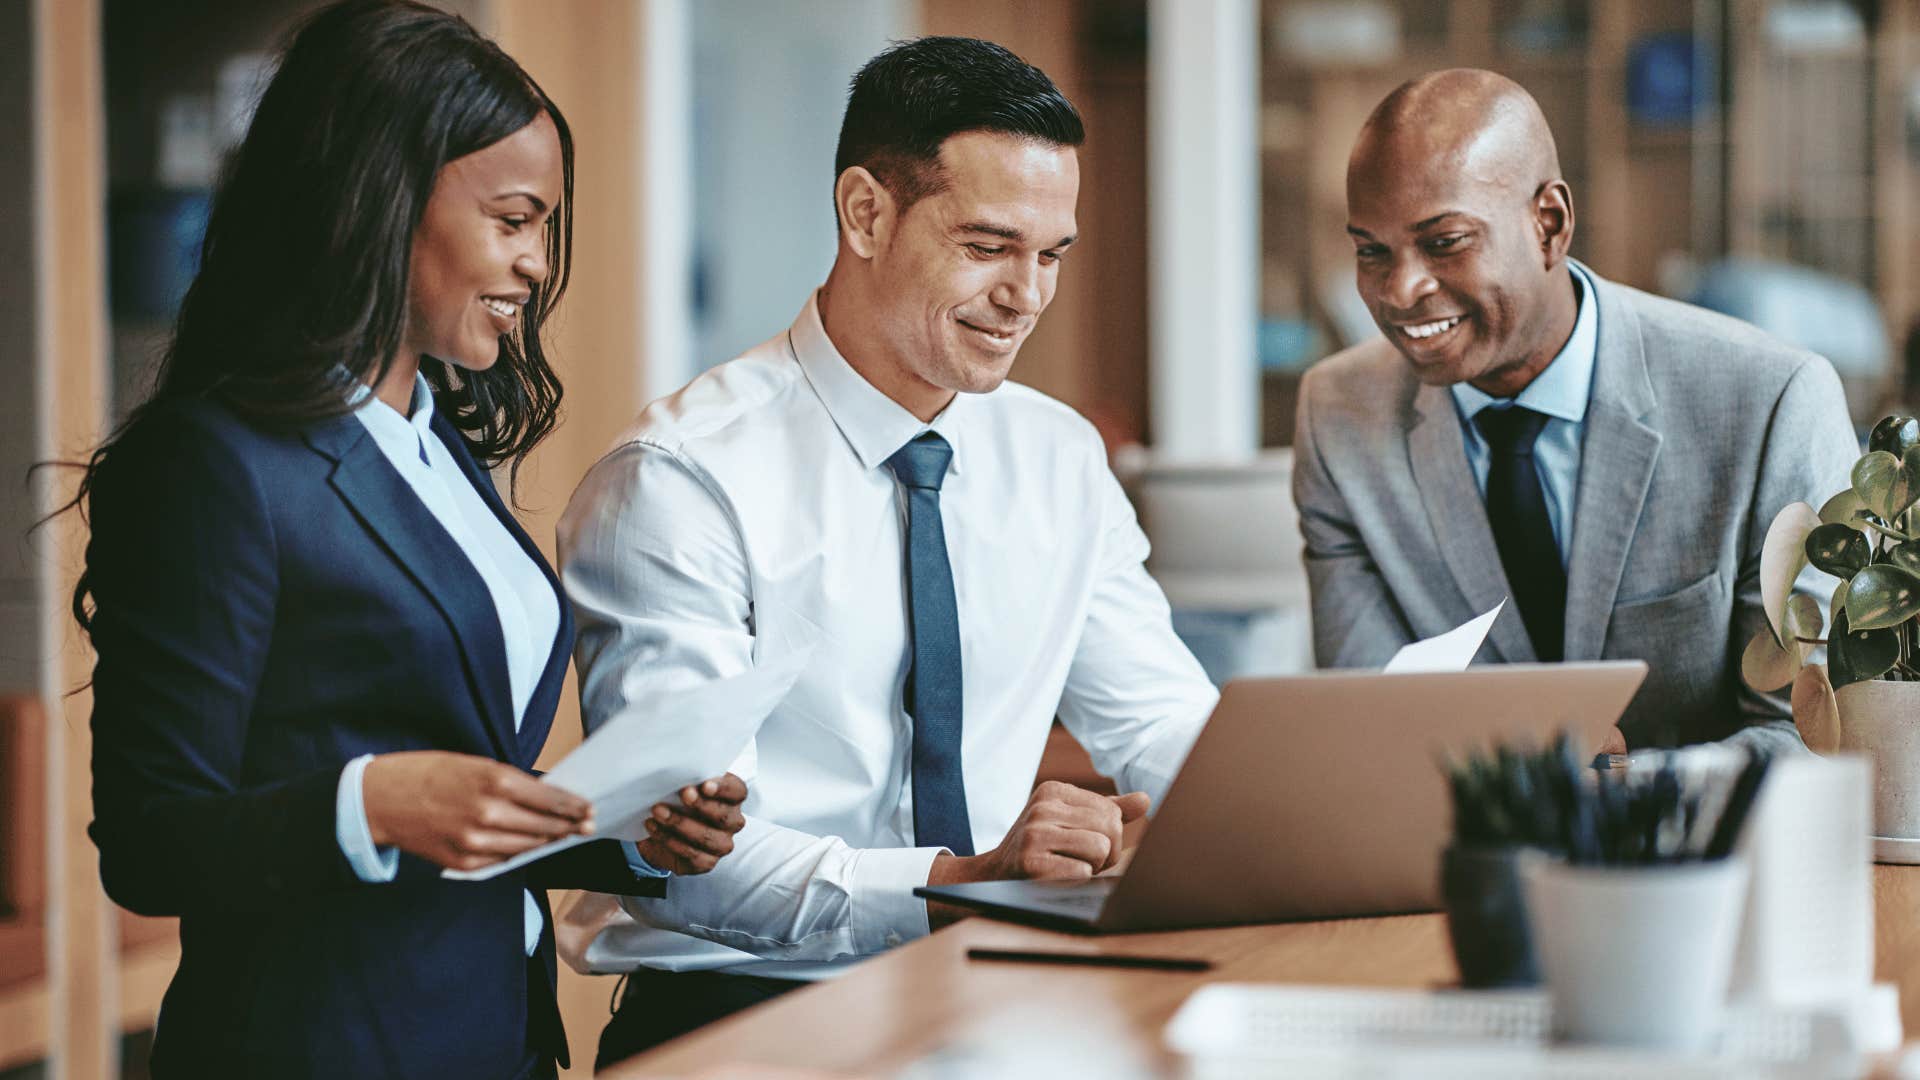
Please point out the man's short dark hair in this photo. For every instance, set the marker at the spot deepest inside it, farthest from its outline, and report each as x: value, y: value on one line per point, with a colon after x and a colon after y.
x: 909, y: 99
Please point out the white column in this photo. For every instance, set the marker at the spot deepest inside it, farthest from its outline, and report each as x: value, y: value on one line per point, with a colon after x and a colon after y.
x: 664, y: 314
x: 1204, y: 227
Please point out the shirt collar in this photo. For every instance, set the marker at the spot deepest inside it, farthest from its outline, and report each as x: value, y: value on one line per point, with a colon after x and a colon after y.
x: 873, y: 424
x: 405, y: 435
x: 1561, y: 389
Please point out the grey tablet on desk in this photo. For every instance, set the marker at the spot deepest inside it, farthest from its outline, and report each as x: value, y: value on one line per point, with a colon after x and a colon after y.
x: 1318, y: 796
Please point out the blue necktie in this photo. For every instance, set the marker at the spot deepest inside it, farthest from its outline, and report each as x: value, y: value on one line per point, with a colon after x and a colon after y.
x: 933, y: 681
x: 1517, y: 510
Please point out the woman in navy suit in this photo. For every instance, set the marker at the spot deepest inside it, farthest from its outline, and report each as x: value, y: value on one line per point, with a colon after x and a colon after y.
x: 328, y: 655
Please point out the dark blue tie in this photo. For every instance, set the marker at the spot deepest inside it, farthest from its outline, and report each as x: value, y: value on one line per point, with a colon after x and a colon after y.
x: 1517, y: 510
x: 933, y: 681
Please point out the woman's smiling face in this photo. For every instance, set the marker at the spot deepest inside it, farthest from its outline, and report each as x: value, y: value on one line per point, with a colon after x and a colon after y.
x: 481, y: 246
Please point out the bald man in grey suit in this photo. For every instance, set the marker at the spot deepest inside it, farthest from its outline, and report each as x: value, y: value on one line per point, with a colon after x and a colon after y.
x: 1526, y: 428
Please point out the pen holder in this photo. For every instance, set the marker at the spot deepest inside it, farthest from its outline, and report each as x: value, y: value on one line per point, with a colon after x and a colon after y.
x: 1639, y: 955
x: 1487, y: 916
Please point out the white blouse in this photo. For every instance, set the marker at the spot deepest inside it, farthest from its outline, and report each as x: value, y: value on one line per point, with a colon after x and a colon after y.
x: 528, y: 608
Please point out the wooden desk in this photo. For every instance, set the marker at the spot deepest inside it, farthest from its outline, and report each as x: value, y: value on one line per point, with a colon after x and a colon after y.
x: 899, y: 1006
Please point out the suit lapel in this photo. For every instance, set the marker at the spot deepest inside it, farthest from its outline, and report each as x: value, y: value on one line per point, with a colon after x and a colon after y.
x: 1617, y: 457
x: 383, y: 502
x: 538, y: 721
x: 1458, y: 516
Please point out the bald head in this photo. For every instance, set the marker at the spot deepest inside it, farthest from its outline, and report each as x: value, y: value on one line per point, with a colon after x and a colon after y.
x: 1461, y: 223
x: 1483, y: 126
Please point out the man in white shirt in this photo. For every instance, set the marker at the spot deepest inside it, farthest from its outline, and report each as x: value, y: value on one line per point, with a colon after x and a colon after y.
x: 954, y: 549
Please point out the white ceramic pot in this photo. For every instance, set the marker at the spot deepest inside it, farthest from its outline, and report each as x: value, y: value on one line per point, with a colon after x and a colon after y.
x: 1636, y: 956
x: 1882, y: 720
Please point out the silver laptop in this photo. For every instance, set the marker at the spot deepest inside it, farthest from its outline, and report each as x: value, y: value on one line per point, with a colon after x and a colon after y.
x: 1318, y: 796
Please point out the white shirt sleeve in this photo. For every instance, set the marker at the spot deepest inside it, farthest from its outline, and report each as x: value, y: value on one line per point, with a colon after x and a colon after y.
x: 1135, y: 697
x: 370, y: 863
x: 787, y: 895
x: 655, y: 567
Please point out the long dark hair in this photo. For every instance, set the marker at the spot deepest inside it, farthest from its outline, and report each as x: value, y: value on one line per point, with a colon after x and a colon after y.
x: 304, y: 270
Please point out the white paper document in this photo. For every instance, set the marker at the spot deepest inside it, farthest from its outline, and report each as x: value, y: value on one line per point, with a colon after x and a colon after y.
x: 1451, y: 651
x: 675, y: 738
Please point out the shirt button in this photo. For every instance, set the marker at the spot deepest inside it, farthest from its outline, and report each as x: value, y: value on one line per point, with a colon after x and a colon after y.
x: 892, y: 940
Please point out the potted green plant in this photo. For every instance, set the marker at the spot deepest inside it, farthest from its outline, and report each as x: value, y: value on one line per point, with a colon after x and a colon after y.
x: 1503, y: 806
x: 1866, y: 697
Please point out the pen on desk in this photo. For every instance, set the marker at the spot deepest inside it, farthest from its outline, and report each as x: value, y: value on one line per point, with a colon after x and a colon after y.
x: 1022, y: 956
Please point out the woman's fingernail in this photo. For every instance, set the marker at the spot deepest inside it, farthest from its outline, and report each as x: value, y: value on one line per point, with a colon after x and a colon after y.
x: 661, y: 813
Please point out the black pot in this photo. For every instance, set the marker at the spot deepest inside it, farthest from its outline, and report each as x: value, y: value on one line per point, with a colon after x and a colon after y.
x: 1487, y: 916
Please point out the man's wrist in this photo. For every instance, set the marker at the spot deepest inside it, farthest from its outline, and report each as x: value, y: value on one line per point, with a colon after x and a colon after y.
x: 949, y: 869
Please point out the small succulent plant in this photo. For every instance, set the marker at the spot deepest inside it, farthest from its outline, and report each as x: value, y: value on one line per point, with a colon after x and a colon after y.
x: 1868, y: 536
x: 1503, y: 799
x: 1552, y: 800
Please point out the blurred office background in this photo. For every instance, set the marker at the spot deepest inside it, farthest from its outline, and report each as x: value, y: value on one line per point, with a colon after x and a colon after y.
x: 1758, y: 156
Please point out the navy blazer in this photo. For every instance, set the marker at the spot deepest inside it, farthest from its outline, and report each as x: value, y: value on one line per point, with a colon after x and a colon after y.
x: 270, y: 606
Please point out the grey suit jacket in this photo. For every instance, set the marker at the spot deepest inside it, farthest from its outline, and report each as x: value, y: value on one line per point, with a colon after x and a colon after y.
x: 1699, y: 429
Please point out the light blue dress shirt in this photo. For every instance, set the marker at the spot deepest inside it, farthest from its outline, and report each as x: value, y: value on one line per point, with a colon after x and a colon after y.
x: 1559, y: 392
x: 525, y: 601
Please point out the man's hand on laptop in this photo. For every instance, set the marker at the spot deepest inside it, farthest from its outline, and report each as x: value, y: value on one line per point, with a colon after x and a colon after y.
x: 1064, y: 832
x: 1614, y: 743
